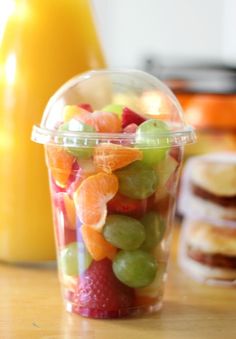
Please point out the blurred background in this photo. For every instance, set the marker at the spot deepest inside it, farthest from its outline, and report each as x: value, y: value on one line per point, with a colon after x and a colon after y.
x: 164, y: 31
x: 190, y: 45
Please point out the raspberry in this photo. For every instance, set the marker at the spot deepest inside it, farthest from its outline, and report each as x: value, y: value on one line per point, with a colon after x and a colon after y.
x: 100, y: 294
x: 130, y: 117
x: 121, y: 204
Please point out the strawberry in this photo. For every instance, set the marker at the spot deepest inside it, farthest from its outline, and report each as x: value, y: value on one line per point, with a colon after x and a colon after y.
x: 129, y: 117
x: 121, y: 204
x: 100, y: 294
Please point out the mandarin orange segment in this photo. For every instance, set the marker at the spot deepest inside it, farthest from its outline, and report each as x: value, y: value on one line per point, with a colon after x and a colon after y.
x: 91, y: 197
x: 107, y: 122
x: 96, y: 245
x: 108, y: 185
x: 70, y: 211
x: 86, y: 168
x: 109, y: 157
x: 60, y: 163
x: 103, y: 122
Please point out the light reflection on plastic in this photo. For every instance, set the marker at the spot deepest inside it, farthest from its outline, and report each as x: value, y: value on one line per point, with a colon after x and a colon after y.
x: 7, y: 9
x: 6, y: 141
x: 10, y: 69
x: 152, y: 102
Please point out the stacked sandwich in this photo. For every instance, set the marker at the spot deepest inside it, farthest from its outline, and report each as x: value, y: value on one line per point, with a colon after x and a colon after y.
x: 208, y: 204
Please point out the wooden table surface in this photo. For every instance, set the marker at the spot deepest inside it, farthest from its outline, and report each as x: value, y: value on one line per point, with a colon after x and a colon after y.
x: 30, y: 307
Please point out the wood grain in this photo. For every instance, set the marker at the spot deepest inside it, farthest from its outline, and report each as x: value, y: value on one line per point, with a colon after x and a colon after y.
x: 31, y: 307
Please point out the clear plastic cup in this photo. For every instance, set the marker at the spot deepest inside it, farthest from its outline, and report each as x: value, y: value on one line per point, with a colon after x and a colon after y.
x: 114, y: 144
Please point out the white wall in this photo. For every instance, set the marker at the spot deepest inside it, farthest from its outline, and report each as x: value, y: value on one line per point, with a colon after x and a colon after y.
x: 195, y: 29
x: 229, y: 32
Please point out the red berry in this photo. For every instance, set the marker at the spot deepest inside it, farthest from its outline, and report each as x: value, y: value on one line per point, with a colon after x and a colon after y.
x: 121, y: 204
x: 130, y: 117
x: 87, y: 107
x: 100, y: 294
x: 151, y: 201
x: 163, y: 205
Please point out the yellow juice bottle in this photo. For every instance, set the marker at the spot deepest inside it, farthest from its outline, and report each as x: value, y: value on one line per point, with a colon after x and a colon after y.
x: 43, y: 43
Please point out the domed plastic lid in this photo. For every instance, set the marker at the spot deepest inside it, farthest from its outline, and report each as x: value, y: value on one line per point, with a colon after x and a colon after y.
x: 121, y: 93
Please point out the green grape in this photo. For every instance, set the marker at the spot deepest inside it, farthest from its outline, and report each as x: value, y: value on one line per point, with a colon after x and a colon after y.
x: 84, y: 258
x: 114, y: 108
x: 166, y: 168
x: 68, y: 260
x: 80, y: 152
x: 137, y: 181
x: 135, y: 268
x: 156, y: 287
x: 155, y: 227
x: 124, y: 232
x: 146, y: 135
x: 74, y: 259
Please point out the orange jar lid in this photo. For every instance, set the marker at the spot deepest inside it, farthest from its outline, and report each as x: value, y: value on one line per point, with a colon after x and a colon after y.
x: 209, y: 111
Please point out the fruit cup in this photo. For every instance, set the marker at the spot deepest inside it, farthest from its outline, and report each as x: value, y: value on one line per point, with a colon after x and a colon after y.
x: 114, y: 145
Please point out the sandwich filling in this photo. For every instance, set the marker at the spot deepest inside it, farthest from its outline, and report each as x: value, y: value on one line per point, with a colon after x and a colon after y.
x: 212, y: 259
x: 217, y: 199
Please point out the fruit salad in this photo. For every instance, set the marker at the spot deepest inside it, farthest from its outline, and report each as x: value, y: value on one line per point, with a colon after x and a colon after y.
x: 114, y: 142
x: 112, y: 206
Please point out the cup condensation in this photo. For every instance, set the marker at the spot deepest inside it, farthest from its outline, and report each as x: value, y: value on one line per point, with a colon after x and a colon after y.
x: 113, y: 188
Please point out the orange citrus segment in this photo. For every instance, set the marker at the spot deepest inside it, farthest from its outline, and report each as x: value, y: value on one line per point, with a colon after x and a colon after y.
x: 91, y: 197
x: 103, y: 122
x: 96, y: 245
x: 109, y: 157
x: 60, y: 163
x: 70, y: 211
x: 87, y: 168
